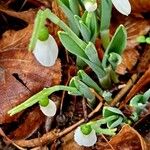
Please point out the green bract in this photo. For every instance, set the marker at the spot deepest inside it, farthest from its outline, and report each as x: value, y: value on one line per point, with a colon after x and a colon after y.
x: 43, y: 34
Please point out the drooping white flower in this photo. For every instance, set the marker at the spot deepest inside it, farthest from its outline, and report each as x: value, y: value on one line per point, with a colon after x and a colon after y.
x: 90, y: 5
x: 50, y: 109
x: 85, y: 140
x: 46, y: 52
x: 123, y: 6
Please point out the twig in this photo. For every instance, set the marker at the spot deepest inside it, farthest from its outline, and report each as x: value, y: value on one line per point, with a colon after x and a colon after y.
x: 144, y: 80
x: 129, y: 84
x: 85, y: 110
x: 99, y: 97
x: 107, y: 142
x: 10, y: 141
x: 52, y: 136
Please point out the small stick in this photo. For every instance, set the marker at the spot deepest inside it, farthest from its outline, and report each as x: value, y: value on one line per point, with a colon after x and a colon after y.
x: 99, y: 97
x: 85, y: 110
x: 129, y: 84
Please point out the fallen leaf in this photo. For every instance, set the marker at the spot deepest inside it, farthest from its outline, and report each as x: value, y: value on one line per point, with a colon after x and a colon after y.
x: 22, y: 76
x: 32, y: 122
x: 144, y: 61
x: 140, y: 6
x: 127, y: 139
x: 129, y: 60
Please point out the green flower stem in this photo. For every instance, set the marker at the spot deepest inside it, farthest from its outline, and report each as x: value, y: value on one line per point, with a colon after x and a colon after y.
x: 63, y: 26
x: 35, y: 31
x: 39, y: 96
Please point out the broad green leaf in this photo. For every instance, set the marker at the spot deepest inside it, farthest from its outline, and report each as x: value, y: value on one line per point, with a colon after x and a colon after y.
x: 71, y: 45
x: 92, y: 54
x: 74, y: 48
x: 89, y: 81
x: 117, y: 44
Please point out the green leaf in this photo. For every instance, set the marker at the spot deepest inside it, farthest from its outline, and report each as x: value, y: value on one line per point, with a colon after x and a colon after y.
x: 74, y: 6
x: 114, y: 59
x: 115, y: 123
x: 105, y: 10
x: 94, y: 27
x: 110, y: 111
x: 63, y: 26
x: 146, y: 96
x: 117, y: 44
x: 74, y: 48
x: 92, y: 54
x: 89, y: 81
x: 71, y: 45
x: 105, y: 17
x: 70, y: 17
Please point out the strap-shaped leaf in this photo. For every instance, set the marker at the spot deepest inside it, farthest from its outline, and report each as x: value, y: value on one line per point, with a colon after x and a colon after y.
x: 92, y: 54
x: 74, y: 6
x: 74, y: 48
x: 89, y: 81
x: 105, y: 16
x: 63, y: 26
x: 117, y: 44
x: 85, y: 31
x: 70, y: 17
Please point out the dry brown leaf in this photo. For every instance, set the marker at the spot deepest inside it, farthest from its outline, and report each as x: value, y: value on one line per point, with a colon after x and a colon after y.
x: 142, y: 82
x: 22, y: 76
x: 144, y: 61
x: 16, y: 39
x: 129, y: 60
x: 134, y: 26
x: 32, y: 122
x: 140, y: 6
x: 127, y: 139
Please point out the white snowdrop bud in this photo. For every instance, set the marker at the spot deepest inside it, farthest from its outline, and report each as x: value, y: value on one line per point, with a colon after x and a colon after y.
x: 86, y: 139
x: 123, y: 6
x: 46, y: 52
x: 50, y: 109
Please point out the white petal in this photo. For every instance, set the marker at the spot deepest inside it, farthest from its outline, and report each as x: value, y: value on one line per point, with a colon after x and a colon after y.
x: 46, y: 52
x: 90, y: 7
x: 85, y: 140
x: 50, y: 109
x: 123, y: 6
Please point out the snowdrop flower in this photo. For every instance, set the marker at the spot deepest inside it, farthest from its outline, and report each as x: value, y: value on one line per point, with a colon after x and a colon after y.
x: 49, y: 109
x: 46, y: 50
x: 85, y: 136
x: 123, y: 6
x: 90, y: 5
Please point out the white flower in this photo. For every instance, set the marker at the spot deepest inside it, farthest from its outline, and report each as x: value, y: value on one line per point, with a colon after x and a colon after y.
x: 50, y: 109
x: 85, y: 140
x: 46, y: 52
x: 90, y: 6
x: 123, y: 6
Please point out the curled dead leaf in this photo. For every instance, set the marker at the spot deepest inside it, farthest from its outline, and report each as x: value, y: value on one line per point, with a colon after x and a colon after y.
x: 127, y: 139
